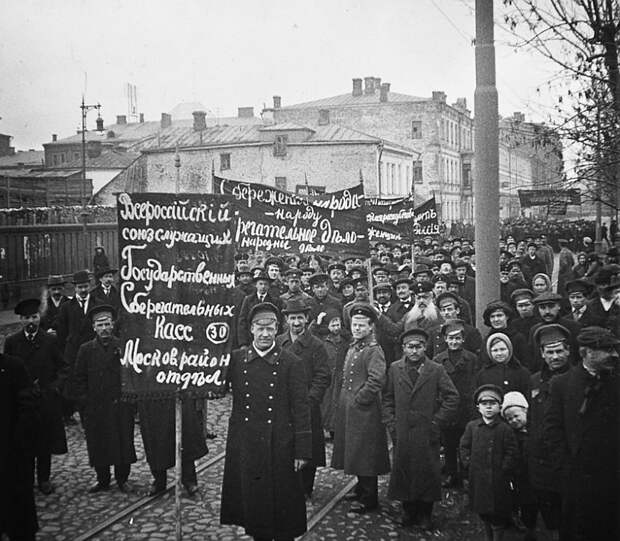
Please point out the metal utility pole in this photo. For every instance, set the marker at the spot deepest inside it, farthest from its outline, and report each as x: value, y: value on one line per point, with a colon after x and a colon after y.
x: 486, y: 155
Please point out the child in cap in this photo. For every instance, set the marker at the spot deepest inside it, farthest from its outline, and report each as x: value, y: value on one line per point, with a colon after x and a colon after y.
x: 489, y: 451
x: 514, y: 411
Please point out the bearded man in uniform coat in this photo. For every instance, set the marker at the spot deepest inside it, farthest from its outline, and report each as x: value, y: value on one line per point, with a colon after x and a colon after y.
x: 108, y: 421
x: 299, y: 341
x: 581, y: 428
x: 360, y: 441
x: 48, y: 371
x: 419, y: 399
x: 269, y: 435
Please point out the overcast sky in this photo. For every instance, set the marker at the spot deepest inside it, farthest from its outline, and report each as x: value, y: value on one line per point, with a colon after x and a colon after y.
x: 232, y: 53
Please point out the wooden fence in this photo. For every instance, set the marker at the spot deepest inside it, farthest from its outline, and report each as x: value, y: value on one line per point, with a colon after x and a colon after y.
x: 30, y: 253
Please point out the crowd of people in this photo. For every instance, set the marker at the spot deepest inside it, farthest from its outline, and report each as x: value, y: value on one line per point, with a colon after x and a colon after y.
x: 380, y: 357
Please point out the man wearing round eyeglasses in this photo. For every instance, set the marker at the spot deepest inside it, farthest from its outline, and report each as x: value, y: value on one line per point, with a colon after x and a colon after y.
x: 419, y: 398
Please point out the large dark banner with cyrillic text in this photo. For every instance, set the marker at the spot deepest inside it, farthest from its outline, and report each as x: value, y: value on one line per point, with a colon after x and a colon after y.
x: 176, y: 269
x: 276, y: 222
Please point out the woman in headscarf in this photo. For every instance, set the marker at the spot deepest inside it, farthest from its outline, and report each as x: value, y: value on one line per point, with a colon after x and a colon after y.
x: 503, y: 368
x: 541, y: 283
x: 579, y: 270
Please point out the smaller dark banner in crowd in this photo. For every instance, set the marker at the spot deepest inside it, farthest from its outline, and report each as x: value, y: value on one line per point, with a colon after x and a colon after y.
x: 542, y: 198
x: 271, y: 220
x: 426, y: 221
x: 176, y: 256
x: 390, y: 220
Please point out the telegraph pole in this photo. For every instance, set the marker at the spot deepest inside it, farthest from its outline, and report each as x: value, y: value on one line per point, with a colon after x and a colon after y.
x: 486, y: 159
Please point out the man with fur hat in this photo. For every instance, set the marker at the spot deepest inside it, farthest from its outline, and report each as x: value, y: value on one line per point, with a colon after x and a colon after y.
x: 48, y: 371
x: 108, y: 421
x: 419, y: 399
x: 299, y: 341
x: 269, y: 435
x: 581, y: 427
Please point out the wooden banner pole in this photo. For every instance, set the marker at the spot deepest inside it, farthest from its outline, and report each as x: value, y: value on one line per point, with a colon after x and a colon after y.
x: 178, y: 413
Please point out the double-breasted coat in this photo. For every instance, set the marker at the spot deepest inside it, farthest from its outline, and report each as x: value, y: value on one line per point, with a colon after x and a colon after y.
x: 46, y: 366
x: 313, y: 355
x: 581, y: 427
x: 360, y: 440
x: 108, y: 421
x: 490, y: 452
x: 509, y: 376
x: 49, y: 319
x: 269, y: 427
x: 414, y: 412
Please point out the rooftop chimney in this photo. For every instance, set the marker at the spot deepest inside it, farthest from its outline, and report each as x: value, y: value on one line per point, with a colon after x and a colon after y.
x: 439, y: 95
x: 54, y: 137
x: 357, y: 87
x: 245, y: 112
x: 200, y: 120
x: 369, y: 85
x: 518, y: 116
x: 121, y: 119
x: 141, y: 118
x: 99, y: 124
x: 277, y: 102
x: 377, y: 84
x: 385, y: 90
x: 323, y: 117
x: 166, y: 121
x: 461, y: 103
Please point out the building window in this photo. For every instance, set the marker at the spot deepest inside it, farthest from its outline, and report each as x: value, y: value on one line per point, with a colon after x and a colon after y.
x: 55, y: 159
x: 416, y: 129
x: 62, y: 158
x: 302, y: 189
x: 76, y: 155
x: 224, y: 161
x: 466, y: 175
x: 279, y: 146
x: 417, y: 172
x: 281, y: 183
x: 323, y: 117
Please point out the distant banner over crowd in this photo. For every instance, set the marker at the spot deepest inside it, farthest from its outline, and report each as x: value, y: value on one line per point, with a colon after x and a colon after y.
x: 274, y: 220
x: 400, y: 220
x: 176, y: 264
x: 538, y: 198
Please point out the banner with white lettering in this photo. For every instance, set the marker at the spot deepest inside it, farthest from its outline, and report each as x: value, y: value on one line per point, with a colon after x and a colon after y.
x: 176, y: 270
x: 390, y: 220
x: 425, y: 219
x: 274, y: 221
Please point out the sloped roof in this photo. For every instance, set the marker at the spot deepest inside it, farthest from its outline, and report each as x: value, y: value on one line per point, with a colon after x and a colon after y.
x: 344, y: 100
x: 108, y: 159
x: 34, y: 173
x: 217, y: 135
x: 285, y: 126
x: 27, y: 157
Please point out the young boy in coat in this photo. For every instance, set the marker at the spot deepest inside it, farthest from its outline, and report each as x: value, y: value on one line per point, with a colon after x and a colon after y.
x: 489, y: 450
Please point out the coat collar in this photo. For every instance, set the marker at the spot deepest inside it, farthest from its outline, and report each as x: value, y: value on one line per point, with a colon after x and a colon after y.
x: 424, y: 373
x: 369, y: 340
x: 271, y: 358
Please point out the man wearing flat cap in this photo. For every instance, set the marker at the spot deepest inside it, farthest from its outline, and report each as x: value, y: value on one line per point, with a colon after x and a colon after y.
x: 553, y: 342
x: 299, y: 341
x: 578, y: 292
x: 527, y: 314
x: 321, y: 304
x: 55, y: 297
x: 269, y: 435
x: 360, y: 442
x: 108, y: 421
x: 75, y: 329
x: 293, y: 284
x: 581, y: 428
x: 419, y: 399
x: 48, y: 371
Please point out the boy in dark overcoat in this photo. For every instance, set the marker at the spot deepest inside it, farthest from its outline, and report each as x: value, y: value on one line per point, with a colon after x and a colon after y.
x: 419, y: 398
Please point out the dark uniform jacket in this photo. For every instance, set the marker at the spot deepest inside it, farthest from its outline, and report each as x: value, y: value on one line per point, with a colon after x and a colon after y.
x: 108, y: 421
x: 581, y: 427
x: 269, y: 428
x: 313, y: 355
x: 47, y: 367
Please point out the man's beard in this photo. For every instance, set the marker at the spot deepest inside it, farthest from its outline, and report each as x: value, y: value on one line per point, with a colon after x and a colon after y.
x: 429, y: 313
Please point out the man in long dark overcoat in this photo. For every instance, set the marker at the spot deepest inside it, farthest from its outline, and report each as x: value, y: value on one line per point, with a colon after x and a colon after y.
x: 269, y: 435
x: 108, y: 421
x: 18, y: 514
x: 299, y: 341
x: 360, y: 441
x: 55, y: 299
x: 48, y: 371
x: 418, y: 400
x: 581, y: 427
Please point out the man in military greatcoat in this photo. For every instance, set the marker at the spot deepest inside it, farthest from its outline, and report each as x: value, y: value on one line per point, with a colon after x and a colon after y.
x: 298, y: 340
x: 360, y: 441
x: 108, y: 421
x: 269, y: 435
x: 420, y: 398
x: 48, y: 371
x: 581, y: 428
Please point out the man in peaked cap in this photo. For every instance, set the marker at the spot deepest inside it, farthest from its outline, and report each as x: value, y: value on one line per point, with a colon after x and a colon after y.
x: 581, y: 429
x: 450, y: 309
x: 269, y: 435
x: 336, y: 272
x: 299, y: 341
x: 108, y: 420
x: 578, y: 292
x: 293, y: 283
x: 55, y: 298
x: 321, y: 304
x: 522, y: 301
x: 48, y: 372
x: 75, y: 329
x: 360, y: 443
x: 417, y: 388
